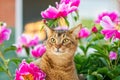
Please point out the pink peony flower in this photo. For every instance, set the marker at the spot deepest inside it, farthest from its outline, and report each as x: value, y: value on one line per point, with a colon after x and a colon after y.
x: 94, y: 29
x: 4, y: 34
x: 113, y: 16
x: 61, y: 10
x: 29, y: 72
x: 83, y: 33
x: 38, y: 51
x: 28, y: 41
x: 110, y: 29
x: 113, y: 55
x: 74, y: 2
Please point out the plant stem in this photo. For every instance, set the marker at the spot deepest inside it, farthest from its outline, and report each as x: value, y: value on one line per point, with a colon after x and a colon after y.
x: 6, y: 66
x: 27, y: 51
x: 116, y: 61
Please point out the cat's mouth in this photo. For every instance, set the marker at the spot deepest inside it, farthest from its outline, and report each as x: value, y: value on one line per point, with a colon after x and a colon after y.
x: 58, y: 51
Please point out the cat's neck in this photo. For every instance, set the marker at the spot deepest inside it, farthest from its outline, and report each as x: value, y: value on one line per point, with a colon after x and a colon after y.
x: 60, y: 60
x: 58, y: 63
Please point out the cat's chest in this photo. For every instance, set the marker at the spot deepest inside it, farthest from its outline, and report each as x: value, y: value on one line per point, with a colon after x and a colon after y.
x: 58, y: 73
x: 54, y: 74
x: 55, y: 71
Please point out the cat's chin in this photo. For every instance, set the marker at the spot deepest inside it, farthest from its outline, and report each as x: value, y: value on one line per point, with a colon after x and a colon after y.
x: 57, y: 53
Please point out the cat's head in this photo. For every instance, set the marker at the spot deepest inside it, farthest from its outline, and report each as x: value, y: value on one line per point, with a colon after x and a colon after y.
x: 62, y: 42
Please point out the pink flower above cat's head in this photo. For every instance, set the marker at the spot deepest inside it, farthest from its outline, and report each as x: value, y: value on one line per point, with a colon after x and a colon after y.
x: 29, y: 72
x: 110, y: 29
x: 113, y: 16
x: 73, y: 2
x: 4, y: 34
x: 61, y: 10
x: 112, y: 55
x: 83, y: 33
x: 28, y: 41
x: 38, y: 51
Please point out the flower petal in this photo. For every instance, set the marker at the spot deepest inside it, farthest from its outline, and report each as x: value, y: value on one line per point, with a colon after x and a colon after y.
x: 84, y: 33
x: 108, y: 33
x: 4, y: 34
x: 113, y: 55
x: 38, y: 51
x: 117, y: 34
x: 106, y: 23
x: 29, y: 71
x: 51, y: 13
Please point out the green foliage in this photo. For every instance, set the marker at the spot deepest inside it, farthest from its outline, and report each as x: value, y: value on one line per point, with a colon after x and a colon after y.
x: 1, y: 69
x: 9, y: 49
x: 52, y: 23
x: 96, y: 64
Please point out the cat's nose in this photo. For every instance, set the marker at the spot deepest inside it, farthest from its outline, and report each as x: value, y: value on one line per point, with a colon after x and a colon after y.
x: 58, y: 46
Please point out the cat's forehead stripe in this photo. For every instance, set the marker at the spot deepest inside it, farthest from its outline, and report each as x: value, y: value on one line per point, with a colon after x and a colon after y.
x: 60, y: 32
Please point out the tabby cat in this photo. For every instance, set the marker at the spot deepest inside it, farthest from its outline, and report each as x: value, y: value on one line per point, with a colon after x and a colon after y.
x: 58, y: 61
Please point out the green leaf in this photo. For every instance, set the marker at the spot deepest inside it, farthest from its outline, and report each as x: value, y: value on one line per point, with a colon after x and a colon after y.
x: 85, y: 48
x: 98, y: 37
x: 27, y: 50
x: 78, y: 68
x: 98, y: 48
x: 110, y: 74
x: 11, y: 48
x: 17, y: 61
x: 116, y: 70
x: 52, y: 22
x: 116, y: 78
x: 119, y: 51
x: 1, y: 69
x: 80, y: 59
x: 82, y: 48
x: 101, y: 56
x: 99, y: 76
x: 103, y: 70
x: 103, y: 60
x: 91, y: 77
x: 75, y: 18
x: 89, y: 39
x: 66, y: 21
x: 80, y: 62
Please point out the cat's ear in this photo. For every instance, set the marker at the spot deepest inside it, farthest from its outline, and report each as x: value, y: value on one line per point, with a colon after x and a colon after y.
x: 48, y: 30
x: 74, y: 31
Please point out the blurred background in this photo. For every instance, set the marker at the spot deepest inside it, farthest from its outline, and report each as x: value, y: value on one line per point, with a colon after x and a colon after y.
x: 18, y: 13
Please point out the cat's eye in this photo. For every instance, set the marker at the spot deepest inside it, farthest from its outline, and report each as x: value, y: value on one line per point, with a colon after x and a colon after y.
x: 65, y: 40
x: 53, y: 40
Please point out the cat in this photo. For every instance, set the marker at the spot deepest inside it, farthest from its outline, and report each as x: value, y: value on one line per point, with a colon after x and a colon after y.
x: 58, y: 61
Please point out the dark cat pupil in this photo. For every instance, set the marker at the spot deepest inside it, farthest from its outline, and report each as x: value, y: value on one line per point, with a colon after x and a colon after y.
x: 53, y: 40
x: 65, y: 40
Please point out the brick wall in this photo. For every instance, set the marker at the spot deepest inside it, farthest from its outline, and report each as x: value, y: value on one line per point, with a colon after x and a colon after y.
x: 7, y: 12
